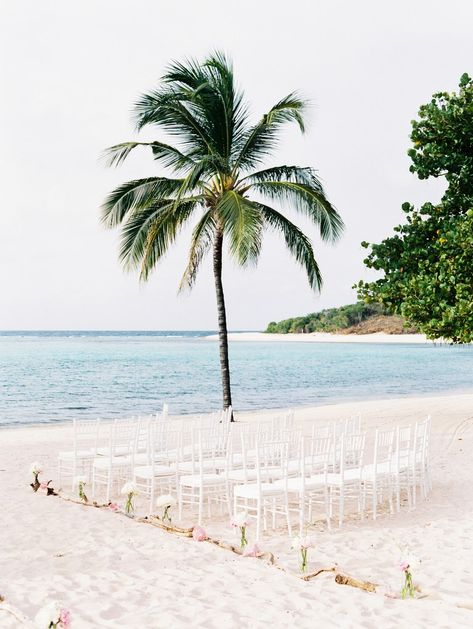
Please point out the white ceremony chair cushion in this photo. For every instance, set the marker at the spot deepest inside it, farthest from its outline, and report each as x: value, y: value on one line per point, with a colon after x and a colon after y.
x: 195, y: 480
x: 80, y: 454
x: 146, y: 471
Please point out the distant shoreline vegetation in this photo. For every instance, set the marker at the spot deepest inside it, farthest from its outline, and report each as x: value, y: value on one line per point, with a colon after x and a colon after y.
x: 356, y: 318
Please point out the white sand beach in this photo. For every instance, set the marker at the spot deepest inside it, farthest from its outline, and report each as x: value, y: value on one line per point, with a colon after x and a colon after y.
x: 110, y: 571
x: 325, y: 337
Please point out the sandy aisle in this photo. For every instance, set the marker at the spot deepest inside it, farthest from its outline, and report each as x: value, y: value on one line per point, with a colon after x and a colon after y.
x: 112, y: 572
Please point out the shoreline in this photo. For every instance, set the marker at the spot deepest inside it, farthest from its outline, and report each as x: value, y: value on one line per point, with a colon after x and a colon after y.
x: 301, y: 411
x: 327, y: 337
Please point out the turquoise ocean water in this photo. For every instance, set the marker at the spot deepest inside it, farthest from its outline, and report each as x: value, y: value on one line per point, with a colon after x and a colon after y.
x: 55, y: 376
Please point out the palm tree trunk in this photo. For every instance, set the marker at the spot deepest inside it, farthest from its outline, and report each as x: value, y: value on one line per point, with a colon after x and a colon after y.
x: 222, y: 321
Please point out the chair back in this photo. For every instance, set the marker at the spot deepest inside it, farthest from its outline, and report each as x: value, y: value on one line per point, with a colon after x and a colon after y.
x: 123, y: 438
x: 384, y: 441
x: 352, y: 449
x: 85, y: 435
x: 315, y: 452
x: 271, y: 461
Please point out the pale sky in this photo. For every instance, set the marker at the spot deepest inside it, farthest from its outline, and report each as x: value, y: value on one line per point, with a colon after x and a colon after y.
x: 70, y: 74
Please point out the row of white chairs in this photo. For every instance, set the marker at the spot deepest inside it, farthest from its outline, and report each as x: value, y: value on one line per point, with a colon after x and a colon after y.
x: 266, y: 467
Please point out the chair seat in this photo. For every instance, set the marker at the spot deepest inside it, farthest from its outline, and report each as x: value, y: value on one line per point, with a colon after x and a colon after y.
x: 336, y: 479
x: 207, y: 466
x: 251, y: 490
x: 382, y: 469
x: 236, y: 461
x: 194, y: 480
x: 103, y: 463
x: 120, y: 451
x: 142, y: 458
x: 243, y: 476
x: 147, y: 471
x: 80, y: 454
x: 296, y: 485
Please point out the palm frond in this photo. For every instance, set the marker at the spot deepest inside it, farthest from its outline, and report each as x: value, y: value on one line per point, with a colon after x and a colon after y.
x: 308, y: 199
x: 138, y: 194
x: 262, y: 138
x: 173, y: 111
x: 202, y: 239
x: 115, y: 155
x: 148, y: 232
x: 298, y: 174
x: 242, y: 224
x: 296, y: 241
x: 168, y: 155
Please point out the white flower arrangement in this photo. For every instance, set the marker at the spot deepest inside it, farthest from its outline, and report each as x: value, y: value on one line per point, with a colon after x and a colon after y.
x: 240, y: 521
x: 406, y: 563
x: 81, y: 482
x: 52, y: 616
x: 36, y: 468
x: 130, y: 490
x: 165, y: 502
x: 302, y: 545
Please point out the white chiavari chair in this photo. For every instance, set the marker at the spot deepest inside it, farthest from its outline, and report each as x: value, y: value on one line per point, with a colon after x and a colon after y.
x: 261, y: 496
x: 78, y: 461
x: 346, y: 482
x: 118, y: 462
x: 204, y: 486
x: 378, y: 477
x: 161, y: 472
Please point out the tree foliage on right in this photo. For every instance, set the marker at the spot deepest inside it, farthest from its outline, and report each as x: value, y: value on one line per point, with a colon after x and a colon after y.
x: 428, y: 263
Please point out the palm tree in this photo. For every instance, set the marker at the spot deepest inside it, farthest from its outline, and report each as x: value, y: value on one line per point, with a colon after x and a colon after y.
x: 214, y: 161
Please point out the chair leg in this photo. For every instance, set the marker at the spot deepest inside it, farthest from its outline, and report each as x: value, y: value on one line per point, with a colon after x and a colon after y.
x: 258, y: 520
x: 414, y: 490
x: 201, y: 505
x: 390, y: 489
x: 375, y: 500
x: 228, y: 499
x: 288, y: 515
x: 109, y: 484
x: 179, y: 501
x: 93, y: 482
x: 301, y: 513
x: 327, y: 509
x: 342, y: 505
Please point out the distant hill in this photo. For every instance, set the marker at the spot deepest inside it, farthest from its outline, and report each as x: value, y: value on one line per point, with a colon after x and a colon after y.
x: 356, y: 318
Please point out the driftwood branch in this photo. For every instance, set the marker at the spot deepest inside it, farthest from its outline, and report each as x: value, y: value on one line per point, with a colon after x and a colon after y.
x: 308, y: 577
x: 154, y: 520
x: 343, y: 579
x: 95, y: 504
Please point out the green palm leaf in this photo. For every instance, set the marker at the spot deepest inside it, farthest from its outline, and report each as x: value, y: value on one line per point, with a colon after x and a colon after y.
x: 137, y: 194
x: 296, y: 241
x: 149, y: 232
x: 203, y: 237
x: 260, y: 140
x: 242, y: 225
x: 307, y: 199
